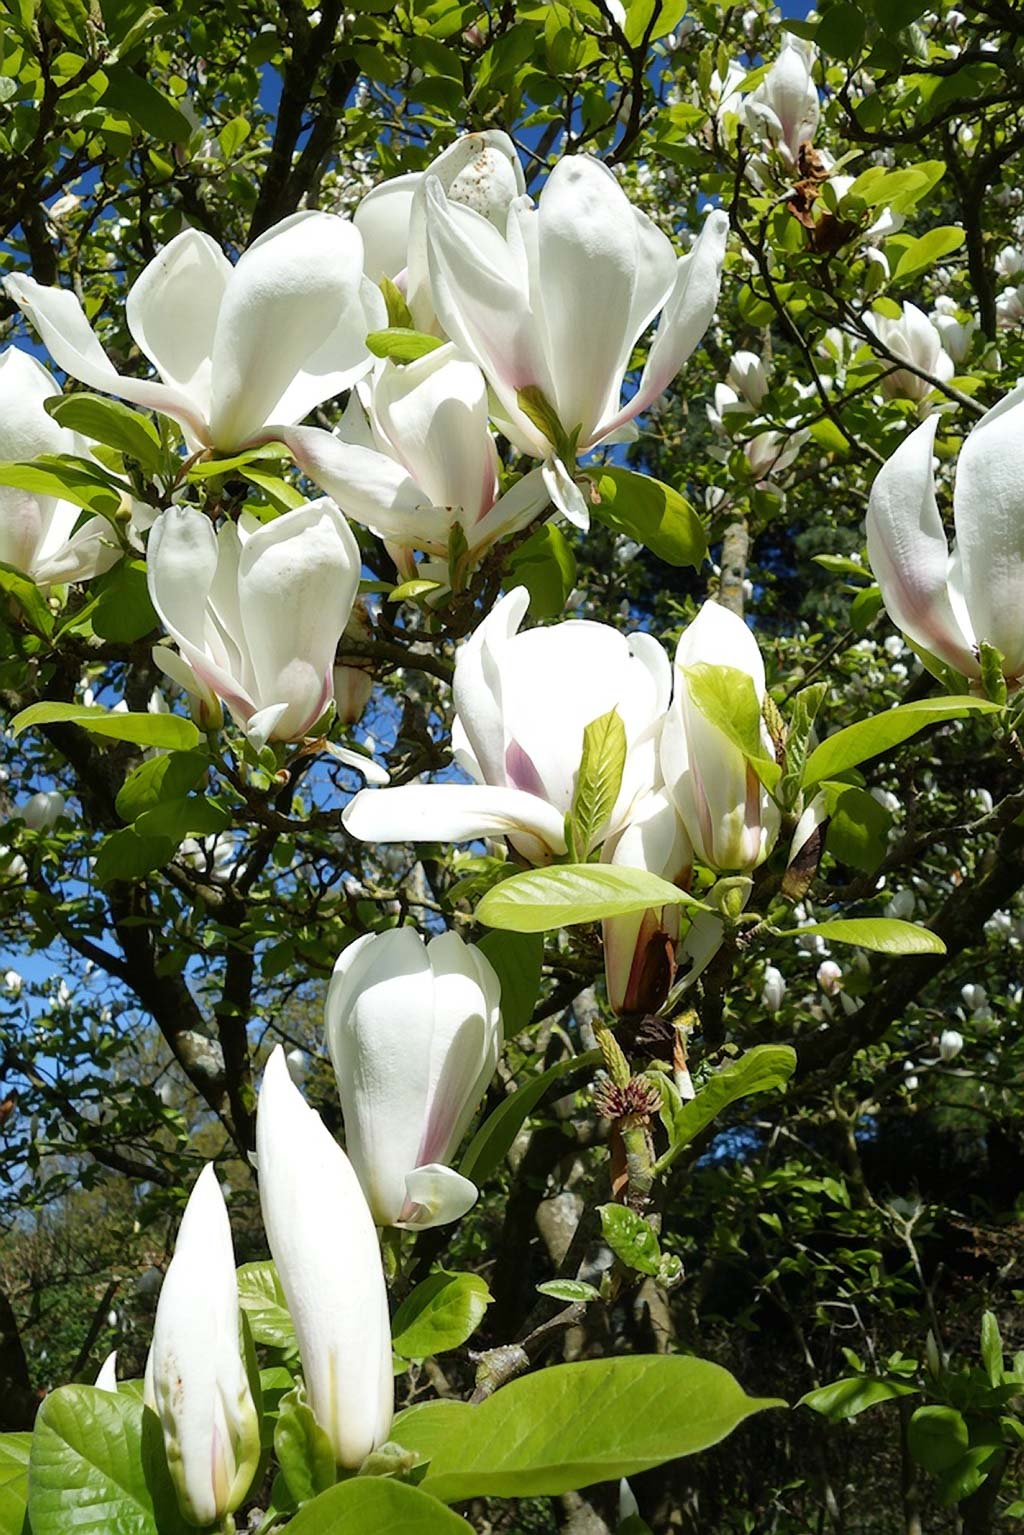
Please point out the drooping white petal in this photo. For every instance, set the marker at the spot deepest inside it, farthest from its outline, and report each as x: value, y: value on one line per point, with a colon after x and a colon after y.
x: 323, y: 1242
x: 988, y: 510
x: 69, y: 338
x: 65, y: 556
x: 516, y: 509
x: 565, y: 494
x: 172, y: 312
x: 292, y: 326
x: 448, y: 812
x: 909, y: 553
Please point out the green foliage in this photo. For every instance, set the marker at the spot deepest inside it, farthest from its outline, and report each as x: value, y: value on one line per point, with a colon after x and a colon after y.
x: 440, y: 1314
x: 572, y: 893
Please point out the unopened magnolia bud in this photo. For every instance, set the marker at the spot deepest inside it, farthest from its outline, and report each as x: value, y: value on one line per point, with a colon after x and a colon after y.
x: 774, y: 988
x: 951, y: 1043
x: 731, y: 895
x: 974, y: 997
x: 830, y: 976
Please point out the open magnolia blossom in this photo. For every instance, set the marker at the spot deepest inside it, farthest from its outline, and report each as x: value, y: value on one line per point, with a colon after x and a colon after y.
x: 955, y: 334
x: 322, y: 1239
x: 414, y: 456
x: 41, y: 811
x: 522, y: 704
x: 783, y: 110
x: 239, y: 348
x: 414, y: 1032
x: 196, y: 1381
x: 552, y: 309
x: 480, y: 171
x: 912, y: 338
x: 37, y: 532
x: 639, y: 948
x: 256, y: 611
x: 950, y: 603
x: 731, y: 819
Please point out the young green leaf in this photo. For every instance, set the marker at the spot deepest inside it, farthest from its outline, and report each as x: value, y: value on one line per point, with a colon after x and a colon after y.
x: 725, y: 696
x: 871, y: 737
x: 371, y: 1505
x: 304, y: 1452
x: 167, y: 730
x: 761, y: 1069
x: 652, y: 513
x: 109, y: 422
x: 598, y: 781
x: 400, y: 344
x: 568, y: 894
x: 630, y: 1238
x: 440, y: 1314
x: 489, y: 1145
x: 885, y: 935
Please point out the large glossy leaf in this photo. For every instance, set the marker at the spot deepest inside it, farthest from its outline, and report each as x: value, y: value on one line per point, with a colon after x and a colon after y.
x: 654, y: 514
x: 870, y: 738
x: 574, y: 892
x: 109, y: 422
x: 14, y: 1453
x: 97, y: 1467
x: 489, y: 1145
x: 167, y: 730
x: 571, y: 1425
x: 517, y: 960
x: 374, y: 1506
x: 885, y: 935
x: 441, y: 1313
x: 759, y: 1070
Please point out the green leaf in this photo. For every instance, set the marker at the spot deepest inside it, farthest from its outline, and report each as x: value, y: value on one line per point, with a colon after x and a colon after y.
x: 69, y: 478
x: 992, y: 1349
x: 846, y: 1398
x: 159, y: 779
x: 409, y: 590
x: 517, y: 959
x: 572, y: 1291
x: 190, y: 815
x: 654, y: 514
x: 489, y: 1145
x: 399, y: 315
x: 937, y: 1437
x: 570, y: 893
x: 536, y: 406
x: 29, y: 599
x: 97, y: 1467
x: 630, y: 1238
x: 167, y: 730
x: 761, y: 1069
x: 127, y: 855
x: 840, y: 33
x: 666, y: 16
x: 211, y: 468
x: 440, y: 1314
x: 871, y: 737
x: 885, y: 935
x: 14, y: 1455
x: 375, y: 1506
x: 967, y: 1474
x: 109, y: 422
x: 401, y: 345
x: 726, y: 697
x: 571, y: 1425
x: 233, y: 135
x: 131, y: 95
x: 303, y: 1450
x: 926, y: 250
x: 546, y: 566
x: 262, y: 1299
x: 598, y: 781
x: 123, y: 611
x: 858, y: 827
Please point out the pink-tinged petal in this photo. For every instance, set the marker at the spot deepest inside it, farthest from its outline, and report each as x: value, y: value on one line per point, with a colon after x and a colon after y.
x: 456, y: 813
x: 69, y: 338
x: 435, y: 1196
x: 909, y: 553
x: 687, y: 314
x: 988, y: 510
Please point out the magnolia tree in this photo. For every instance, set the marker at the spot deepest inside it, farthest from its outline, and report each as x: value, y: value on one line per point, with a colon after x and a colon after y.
x: 512, y: 618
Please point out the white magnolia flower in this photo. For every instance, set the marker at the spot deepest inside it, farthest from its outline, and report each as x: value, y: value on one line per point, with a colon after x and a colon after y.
x: 37, y: 532
x: 414, y: 1032
x: 42, y: 811
x: 239, y: 348
x: 773, y: 989
x: 783, y: 110
x: 913, y: 339
x: 955, y: 334
x: 323, y: 1241
x: 951, y: 1043
x: 196, y: 1381
x: 949, y: 603
x: 522, y: 704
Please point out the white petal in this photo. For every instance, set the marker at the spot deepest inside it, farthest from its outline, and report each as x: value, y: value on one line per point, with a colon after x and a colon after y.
x: 106, y: 1380
x: 686, y: 316
x: 87, y: 553
x: 448, y: 812
x: 565, y: 494
x: 477, y: 685
x: 382, y: 219
x: 988, y: 504
x: 172, y: 312
x: 297, y: 580
x: 516, y: 509
x: 292, y: 326
x: 909, y: 553
x: 323, y: 1241
x: 69, y: 338
x: 437, y: 1195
